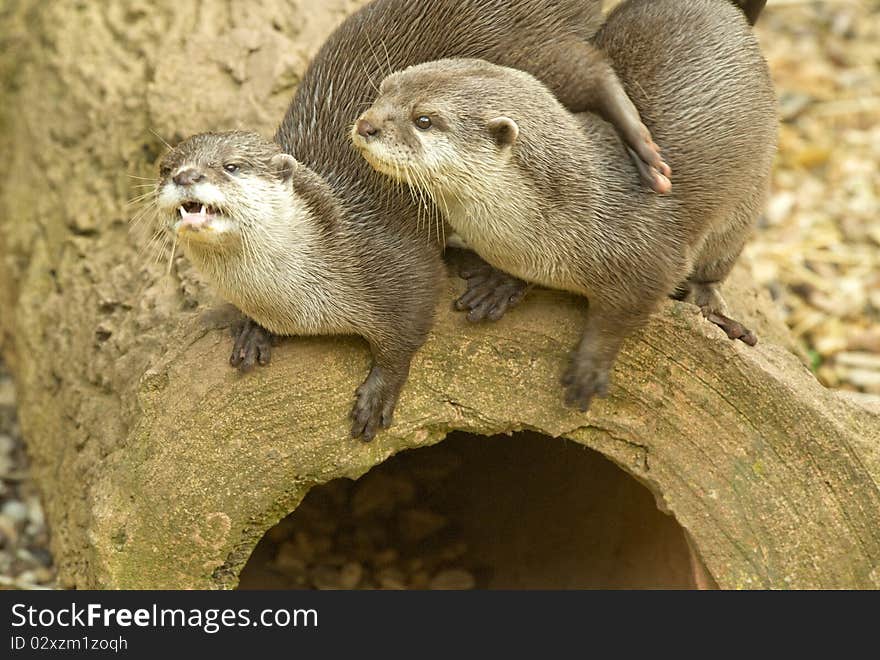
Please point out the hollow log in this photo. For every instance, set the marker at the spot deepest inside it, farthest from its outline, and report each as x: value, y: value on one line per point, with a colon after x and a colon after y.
x: 160, y: 466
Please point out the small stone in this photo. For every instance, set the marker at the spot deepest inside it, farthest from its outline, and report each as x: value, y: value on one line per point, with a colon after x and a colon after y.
x: 291, y: 551
x: 16, y: 511
x: 380, y: 493
x: 290, y: 566
x: 7, y: 444
x: 8, y: 535
x: 41, y: 555
x: 385, y: 557
x: 27, y: 577
x: 35, y: 511
x: 333, y: 559
x: 305, y: 547
x: 391, y: 578
x: 416, y: 525
x: 350, y: 575
x: 326, y: 578
x: 43, y: 575
x: 453, y: 579
x: 369, y: 537
x: 453, y: 551
x: 7, y: 393
x: 419, y: 580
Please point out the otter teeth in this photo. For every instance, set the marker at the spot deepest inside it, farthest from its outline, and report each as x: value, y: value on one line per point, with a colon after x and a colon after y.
x: 189, y: 208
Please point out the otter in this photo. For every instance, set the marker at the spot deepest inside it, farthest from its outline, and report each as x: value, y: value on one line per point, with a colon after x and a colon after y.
x: 551, y: 198
x: 304, y: 238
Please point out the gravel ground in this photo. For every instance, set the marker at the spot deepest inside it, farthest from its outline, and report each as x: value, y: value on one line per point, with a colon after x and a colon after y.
x: 817, y: 250
x: 384, y: 531
x: 25, y: 561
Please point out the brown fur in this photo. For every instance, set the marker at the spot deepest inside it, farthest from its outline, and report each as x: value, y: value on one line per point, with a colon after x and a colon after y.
x: 552, y: 198
x: 368, y: 267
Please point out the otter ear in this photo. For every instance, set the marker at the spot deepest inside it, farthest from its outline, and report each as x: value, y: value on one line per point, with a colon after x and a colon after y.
x: 284, y: 166
x: 504, y: 130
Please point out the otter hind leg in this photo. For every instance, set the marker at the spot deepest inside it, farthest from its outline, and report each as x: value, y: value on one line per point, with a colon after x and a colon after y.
x: 707, y: 297
x: 583, y: 80
x: 605, y: 94
x: 490, y: 292
x: 716, y: 259
x: 252, y: 345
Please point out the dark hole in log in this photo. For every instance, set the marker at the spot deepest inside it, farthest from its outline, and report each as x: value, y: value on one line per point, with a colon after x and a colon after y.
x: 525, y: 511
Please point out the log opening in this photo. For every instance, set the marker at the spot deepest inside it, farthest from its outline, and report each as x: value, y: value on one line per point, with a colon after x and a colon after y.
x: 506, y: 512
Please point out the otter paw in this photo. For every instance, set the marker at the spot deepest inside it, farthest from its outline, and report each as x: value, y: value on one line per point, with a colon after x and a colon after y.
x: 252, y: 345
x: 490, y: 293
x: 373, y: 409
x: 654, y: 171
x: 733, y: 328
x: 583, y: 381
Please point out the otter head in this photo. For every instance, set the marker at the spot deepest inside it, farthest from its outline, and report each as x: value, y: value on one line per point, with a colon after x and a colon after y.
x: 216, y: 187
x: 438, y: 122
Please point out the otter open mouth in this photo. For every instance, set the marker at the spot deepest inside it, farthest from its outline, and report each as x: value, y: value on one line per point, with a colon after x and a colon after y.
x: 195, y: 216
x: 196, y: 208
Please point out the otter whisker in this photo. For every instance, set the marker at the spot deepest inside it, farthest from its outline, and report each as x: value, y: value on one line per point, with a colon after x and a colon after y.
x: 387, y: 57
x: 171, y: 256
x: 138, y: 217
x: 369, y: 78
x: 140, y: 198
x: 161, y: 139
x: 373, y: 53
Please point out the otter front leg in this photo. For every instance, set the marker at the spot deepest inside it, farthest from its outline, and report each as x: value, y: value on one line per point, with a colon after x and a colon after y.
x: 589, y: 371
x: 377, y: 396
x: 490, y: 292
x: 252, y: 345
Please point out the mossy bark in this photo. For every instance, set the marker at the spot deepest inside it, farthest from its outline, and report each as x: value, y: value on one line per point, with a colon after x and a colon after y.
x: 162, y: 467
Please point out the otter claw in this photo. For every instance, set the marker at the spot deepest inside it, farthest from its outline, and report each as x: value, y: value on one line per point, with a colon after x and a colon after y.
x: 252, y: 345
x: 490, y: 293
x: 374, y: 408
x: 655, y: 172
x: 733, y: 328
x: 583, y: 382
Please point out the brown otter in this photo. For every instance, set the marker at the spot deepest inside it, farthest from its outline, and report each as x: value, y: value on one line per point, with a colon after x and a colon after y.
x: 305, y: 238
x: 551, y: 197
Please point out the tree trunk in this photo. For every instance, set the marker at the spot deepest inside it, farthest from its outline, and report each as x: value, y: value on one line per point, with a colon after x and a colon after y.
x: 162, y: 467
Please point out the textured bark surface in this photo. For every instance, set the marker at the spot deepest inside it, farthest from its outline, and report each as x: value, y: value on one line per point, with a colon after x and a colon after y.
x: 161, y: 467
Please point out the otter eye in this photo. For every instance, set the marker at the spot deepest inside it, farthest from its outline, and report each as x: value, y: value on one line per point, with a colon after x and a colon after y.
x: 164, y: 171
x: 423, y: 123
x: 232, y: 168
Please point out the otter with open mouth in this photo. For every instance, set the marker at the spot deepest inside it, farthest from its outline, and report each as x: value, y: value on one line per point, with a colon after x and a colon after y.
x: 552, y: 198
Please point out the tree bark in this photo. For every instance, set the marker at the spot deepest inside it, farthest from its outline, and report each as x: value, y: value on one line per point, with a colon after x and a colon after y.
x: 162, y: 467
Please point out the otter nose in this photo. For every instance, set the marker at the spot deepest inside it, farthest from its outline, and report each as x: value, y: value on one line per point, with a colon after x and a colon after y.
x: 188, y: 177
x: 366, y: 129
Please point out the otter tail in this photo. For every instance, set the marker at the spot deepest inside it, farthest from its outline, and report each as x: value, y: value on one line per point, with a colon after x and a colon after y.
x: 751, y: 8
